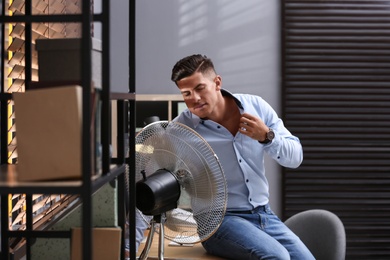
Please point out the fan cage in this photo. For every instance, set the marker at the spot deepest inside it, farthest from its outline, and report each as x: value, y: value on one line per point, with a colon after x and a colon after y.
x: 180, y: 150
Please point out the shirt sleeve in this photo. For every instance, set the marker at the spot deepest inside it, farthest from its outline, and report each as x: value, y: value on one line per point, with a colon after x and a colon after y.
x: 285, y: 148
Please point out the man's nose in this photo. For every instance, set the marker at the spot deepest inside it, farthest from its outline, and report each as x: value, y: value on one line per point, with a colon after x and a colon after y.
x: 196, y: 96
x: 193, y: 96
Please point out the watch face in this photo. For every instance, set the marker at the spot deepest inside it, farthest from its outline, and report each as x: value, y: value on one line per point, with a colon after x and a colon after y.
x: 270, y: 135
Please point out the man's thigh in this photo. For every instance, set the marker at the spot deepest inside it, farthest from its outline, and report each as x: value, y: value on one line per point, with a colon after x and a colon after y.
x: 240, y: 238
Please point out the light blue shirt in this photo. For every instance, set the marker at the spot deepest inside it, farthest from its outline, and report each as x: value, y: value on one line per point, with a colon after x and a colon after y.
x: 241, y: 157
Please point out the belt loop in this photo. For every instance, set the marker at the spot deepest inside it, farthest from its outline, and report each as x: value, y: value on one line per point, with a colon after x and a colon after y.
x: 267, y: 208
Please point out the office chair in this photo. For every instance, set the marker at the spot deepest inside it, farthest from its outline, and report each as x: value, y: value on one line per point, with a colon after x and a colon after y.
x: 321, y: 231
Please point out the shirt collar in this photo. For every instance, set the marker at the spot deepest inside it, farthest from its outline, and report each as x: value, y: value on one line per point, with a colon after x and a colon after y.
x: 229, y: 94
x: 197, y: 120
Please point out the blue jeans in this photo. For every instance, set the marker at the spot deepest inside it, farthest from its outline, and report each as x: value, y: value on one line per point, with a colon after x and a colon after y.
x: 256, y: 235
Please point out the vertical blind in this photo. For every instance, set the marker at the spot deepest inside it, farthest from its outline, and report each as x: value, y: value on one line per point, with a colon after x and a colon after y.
x: 336, y: 99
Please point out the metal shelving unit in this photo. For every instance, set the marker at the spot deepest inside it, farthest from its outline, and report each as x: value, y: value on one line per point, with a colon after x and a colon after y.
x: 113, y: 168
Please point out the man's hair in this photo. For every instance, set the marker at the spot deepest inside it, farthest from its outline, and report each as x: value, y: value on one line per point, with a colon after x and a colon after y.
x: 191, y: 64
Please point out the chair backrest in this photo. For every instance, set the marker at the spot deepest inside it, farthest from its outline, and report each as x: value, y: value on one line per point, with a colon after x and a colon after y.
x: 321, y: 231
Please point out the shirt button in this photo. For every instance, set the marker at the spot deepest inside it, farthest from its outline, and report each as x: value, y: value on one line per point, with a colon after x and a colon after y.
x: 218, y: 126
x: 247, y: 180
x: 278, y: 157
x: 250, y: 199
x: 239, y: 160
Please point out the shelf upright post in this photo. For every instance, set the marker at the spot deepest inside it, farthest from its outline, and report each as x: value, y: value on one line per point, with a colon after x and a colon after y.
x: 28, y: 76
x: 27, y: 43
x: 3, y: 101
x: 132, y: 125
x: 122, y: 147
x: 29, y: 224
x: 86, y: 72
x: 106, y: 111
x: 4, y: 225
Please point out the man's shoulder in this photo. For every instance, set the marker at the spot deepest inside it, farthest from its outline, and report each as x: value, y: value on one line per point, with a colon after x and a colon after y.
x: 243, y: 97
x: 184, y: 117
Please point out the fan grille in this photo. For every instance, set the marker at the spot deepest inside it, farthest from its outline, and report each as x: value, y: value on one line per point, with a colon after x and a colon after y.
x: 179, y: 149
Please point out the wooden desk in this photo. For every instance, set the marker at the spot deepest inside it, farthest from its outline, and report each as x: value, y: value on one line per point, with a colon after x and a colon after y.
x: 177, y: 252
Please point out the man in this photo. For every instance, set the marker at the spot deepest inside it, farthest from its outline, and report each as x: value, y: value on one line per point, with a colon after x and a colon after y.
x: 240, y: 128
x: 140, y: 227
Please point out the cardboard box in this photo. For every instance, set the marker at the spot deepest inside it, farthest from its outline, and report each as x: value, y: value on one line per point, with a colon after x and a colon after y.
x: 106, y: 244
x: 60, y: 60
x: 49, y: 133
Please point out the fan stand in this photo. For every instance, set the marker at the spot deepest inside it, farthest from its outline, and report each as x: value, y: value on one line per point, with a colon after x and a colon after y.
x: 158, y: 220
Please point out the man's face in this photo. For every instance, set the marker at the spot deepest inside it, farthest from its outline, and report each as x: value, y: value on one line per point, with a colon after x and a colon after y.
x: 200, y: 93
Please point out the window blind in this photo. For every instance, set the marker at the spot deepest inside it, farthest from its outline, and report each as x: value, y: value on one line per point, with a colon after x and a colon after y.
x: 44, y: 205
x: 336, y: 99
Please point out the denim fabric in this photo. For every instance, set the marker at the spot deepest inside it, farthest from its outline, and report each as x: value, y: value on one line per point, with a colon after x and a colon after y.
x: 256, y: 235
x: 142, y: 223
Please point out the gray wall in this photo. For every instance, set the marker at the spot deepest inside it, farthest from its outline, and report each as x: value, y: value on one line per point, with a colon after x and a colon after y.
x: 241, y: 36
x: 119, y: 42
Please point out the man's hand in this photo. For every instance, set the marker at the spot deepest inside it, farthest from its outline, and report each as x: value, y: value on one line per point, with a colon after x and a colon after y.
x: 253, y: 127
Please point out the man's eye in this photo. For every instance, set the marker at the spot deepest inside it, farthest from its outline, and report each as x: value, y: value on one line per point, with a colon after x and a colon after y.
x: 201, y: 87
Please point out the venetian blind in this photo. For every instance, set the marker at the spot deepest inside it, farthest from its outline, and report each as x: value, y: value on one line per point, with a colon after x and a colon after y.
x: 336, y: 85
x: 44, y: 205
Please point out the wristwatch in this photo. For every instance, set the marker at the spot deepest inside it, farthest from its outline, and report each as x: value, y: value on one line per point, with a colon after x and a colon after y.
x: 269, y: 137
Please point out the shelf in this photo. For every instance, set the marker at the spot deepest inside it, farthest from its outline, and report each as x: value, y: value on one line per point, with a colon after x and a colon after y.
x: 158, y: 97
x: 113, y: 168
x: 9, y: 183
x: 122, y: 96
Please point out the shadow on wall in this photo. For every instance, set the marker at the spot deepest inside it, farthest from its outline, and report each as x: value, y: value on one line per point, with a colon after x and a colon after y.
x: 242, y: 38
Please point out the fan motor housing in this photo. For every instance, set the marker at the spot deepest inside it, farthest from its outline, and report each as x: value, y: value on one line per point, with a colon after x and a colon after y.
x: 157, y: 194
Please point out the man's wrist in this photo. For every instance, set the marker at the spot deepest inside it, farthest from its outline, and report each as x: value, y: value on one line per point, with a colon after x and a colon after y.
x: 269, y: 136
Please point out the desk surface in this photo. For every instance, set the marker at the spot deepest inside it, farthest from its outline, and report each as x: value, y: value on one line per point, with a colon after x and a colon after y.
x: 177, y: 252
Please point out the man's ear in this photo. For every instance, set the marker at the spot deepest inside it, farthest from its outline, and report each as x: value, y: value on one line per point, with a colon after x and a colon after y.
x: 218, y: 82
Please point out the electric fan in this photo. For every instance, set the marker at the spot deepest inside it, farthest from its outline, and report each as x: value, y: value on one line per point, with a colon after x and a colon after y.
x: 180, y: 182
